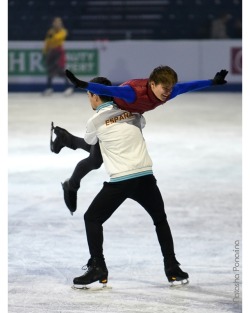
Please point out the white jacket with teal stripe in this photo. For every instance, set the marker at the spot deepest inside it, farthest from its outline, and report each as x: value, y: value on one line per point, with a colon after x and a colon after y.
x: 121, y: 141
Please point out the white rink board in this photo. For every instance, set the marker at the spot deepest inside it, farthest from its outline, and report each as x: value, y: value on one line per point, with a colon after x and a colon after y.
x: 195, y: 143
x: 127, y: 59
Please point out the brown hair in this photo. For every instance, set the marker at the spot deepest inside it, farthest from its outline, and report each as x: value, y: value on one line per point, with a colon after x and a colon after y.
x: 163, y: 75
x: 103, y: 81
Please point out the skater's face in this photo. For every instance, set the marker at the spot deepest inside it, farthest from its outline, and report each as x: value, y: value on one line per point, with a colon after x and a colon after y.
x: 161, y: 91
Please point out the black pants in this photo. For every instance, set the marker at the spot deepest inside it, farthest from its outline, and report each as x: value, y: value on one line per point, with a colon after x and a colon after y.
x: 145, y: 191
x: 92, y: 162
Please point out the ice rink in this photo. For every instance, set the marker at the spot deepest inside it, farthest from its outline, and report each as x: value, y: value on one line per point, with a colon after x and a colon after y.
x: 195, y: 144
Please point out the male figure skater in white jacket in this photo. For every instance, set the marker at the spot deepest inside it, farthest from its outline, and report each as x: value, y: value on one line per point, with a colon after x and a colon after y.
x: 129, y: 165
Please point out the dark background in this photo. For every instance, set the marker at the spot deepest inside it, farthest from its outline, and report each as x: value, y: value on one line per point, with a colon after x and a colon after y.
x: 119, y: 20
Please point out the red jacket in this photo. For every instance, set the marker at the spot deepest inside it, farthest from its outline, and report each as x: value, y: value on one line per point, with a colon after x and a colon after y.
x: 145, y: 98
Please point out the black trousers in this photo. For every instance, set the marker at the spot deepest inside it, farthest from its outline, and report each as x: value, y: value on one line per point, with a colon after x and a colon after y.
x: 92, y: 162
x: 145, y: 191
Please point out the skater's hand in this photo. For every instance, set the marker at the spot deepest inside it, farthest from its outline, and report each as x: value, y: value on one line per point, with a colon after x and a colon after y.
x: 219, y: 78
x: 75, y: 81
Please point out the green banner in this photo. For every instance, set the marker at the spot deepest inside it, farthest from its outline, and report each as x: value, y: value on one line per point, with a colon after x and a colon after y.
x: 29, y: 62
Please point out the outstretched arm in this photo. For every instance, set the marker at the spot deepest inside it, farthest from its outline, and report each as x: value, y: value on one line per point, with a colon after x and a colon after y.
x: 123, y: 92
x: 179, y: 88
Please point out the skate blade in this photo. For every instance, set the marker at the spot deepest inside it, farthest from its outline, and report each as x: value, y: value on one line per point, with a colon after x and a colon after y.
x: 179, y: 283
x: 51, y: 136
x: 89, y: 288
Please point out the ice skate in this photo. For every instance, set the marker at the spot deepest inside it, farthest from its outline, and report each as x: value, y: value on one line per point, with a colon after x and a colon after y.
x: 51, y: 136
x: 63, y: 139
x: 176, y: 276
x: 68, y: 92
x: 70, y: 196
x: 48, y: 92
x: 96, y: 270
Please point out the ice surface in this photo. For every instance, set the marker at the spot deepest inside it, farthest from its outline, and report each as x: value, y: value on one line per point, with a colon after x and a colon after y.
x: 195, y: 143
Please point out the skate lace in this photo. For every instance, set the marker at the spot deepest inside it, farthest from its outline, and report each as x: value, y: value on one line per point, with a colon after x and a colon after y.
x: 86, y: 266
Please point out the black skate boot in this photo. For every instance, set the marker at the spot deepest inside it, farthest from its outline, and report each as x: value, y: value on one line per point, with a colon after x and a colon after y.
x: 63, y: 139
x: 96, y: 270
x: 70, y: 196
x: 174, y: 273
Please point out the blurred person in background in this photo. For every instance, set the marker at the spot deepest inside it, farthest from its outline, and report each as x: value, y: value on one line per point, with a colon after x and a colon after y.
x: 54, y: 55
x: 219, y: 26
x: 237, y: 29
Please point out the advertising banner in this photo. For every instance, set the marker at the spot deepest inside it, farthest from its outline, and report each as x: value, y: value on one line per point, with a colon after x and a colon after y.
x: 29, y: 62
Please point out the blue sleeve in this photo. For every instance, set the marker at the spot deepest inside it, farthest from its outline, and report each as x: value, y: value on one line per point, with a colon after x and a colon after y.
x: 126, y: 92
x: 180, y: 88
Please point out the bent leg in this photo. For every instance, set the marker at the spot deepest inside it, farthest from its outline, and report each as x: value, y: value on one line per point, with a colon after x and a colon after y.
x: 92, y: 162
x: 71, y: 185
x: 79, y: 143
x: 66, y: 139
